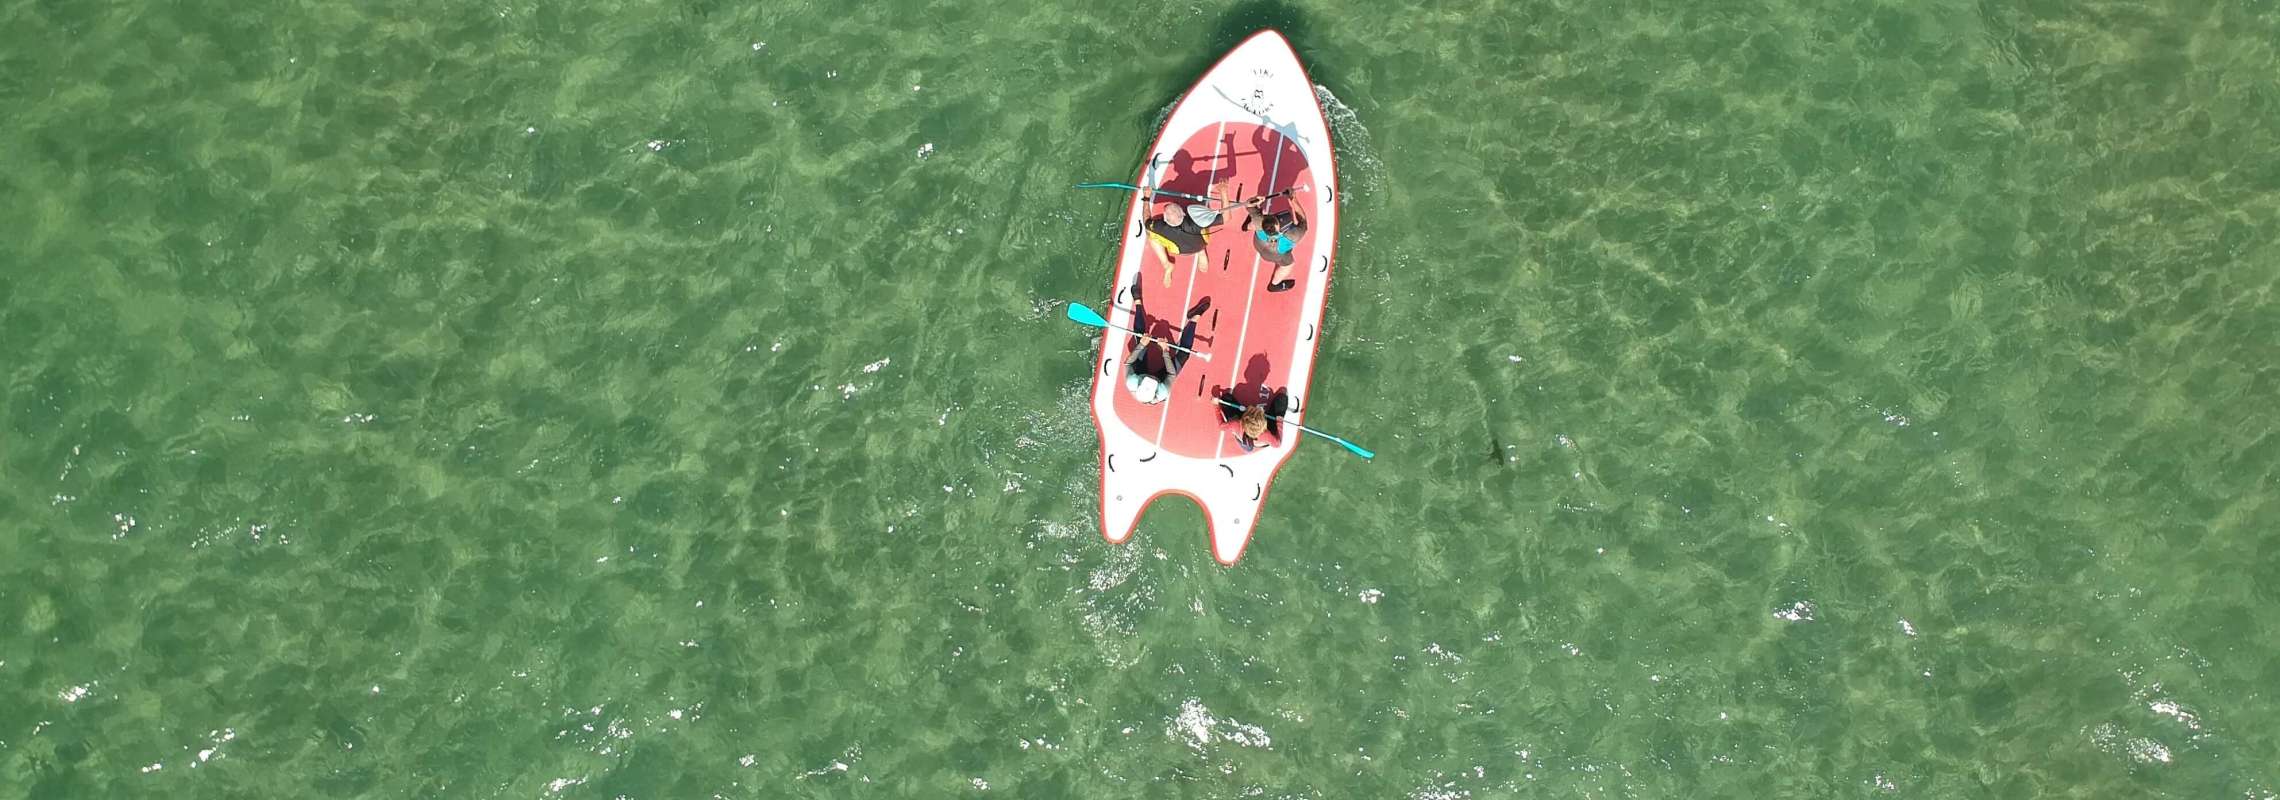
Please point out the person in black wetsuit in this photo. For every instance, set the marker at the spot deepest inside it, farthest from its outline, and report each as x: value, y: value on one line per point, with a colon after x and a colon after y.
x: 1255, y: 425
x: 1150, y: 379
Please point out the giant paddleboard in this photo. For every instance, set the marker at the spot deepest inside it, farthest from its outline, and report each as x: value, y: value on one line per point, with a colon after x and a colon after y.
x: 1253, y: 122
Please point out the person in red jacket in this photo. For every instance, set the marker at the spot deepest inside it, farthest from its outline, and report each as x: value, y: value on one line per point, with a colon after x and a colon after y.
x: 1254, y: 426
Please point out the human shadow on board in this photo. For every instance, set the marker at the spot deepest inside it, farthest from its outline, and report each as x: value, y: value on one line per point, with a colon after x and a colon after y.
x: 1253, y: 390
x: 1191, y: 169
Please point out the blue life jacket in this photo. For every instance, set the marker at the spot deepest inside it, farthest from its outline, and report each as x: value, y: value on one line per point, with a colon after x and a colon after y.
x: 1281, y: 243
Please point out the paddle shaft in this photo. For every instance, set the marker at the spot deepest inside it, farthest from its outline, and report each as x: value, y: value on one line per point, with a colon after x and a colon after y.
x: 1189, y: 350
x: 1135, y: 312
x: 1277, y: 417
x: 1283, y: 193
x: 1127, y: 186
x: 1186, y: 196
x: 1240, y: 203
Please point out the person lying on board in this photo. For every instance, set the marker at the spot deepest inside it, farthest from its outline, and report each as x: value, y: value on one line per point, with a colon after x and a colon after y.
x: 1150, y: 379
x: 1276, y: 239
x: 1254, y: 426
x: 1176, y: 233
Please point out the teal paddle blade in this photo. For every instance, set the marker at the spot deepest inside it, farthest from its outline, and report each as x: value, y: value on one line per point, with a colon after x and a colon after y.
x: 1357, y: 450
x: 1083, y: 314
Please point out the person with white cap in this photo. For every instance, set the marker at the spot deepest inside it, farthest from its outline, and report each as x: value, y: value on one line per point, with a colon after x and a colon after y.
x: 1149, y: 379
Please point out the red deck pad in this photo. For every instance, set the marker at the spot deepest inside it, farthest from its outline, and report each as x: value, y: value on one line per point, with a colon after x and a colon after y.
x: 1252, y: 334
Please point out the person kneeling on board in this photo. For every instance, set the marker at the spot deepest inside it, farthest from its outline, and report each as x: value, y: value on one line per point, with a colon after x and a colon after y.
x: 1176, y: 233
x: 1150, y: 379
x: 1254, y: 426
x: 1276, y: 239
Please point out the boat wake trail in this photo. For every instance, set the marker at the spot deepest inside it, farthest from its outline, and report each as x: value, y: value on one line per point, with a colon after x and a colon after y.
x: 1359, y: 170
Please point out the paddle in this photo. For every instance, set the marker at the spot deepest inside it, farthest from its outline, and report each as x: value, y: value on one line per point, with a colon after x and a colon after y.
x: 1084, y: 315
x: 1202, y: 210
x: 1350, y: 446
x: 1132, y: 188
x: 1186, y: 196
x: 1152, y: 192
x: 1262, y: 199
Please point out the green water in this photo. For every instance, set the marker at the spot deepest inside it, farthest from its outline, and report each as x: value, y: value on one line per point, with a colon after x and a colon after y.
x: 1773, y: 399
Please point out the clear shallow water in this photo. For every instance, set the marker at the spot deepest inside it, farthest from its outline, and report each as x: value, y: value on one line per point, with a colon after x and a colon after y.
x: 668, y: 400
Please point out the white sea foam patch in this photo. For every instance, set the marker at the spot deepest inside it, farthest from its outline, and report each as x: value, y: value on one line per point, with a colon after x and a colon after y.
x: 2148, y: 751
x: 1112, y: 638
x: 827, y: 769
x: 558, y: 784
x: 847, y: 391
x: 1068, y: 424
x: 1197, y: 728
x: 1114, y: 599
x: 215, y: 738
x: 2170, y: 708
x: 1442, y: 654
x: 1800, y: 611
x: 1892, y: 415
x: 1122, y: 562
x: 1059, y: 529
x: 2110, y: 738
x: 838, y: 765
